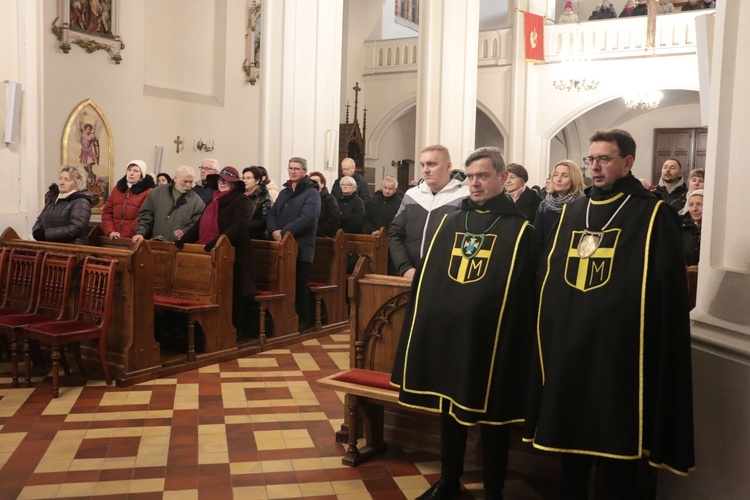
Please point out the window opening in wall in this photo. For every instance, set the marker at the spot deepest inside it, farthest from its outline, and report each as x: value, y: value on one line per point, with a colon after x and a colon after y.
x: 407, y: 13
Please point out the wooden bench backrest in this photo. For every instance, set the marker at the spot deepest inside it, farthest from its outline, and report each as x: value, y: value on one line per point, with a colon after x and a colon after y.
x: 374, y: 247
x: 130, y: 344
x: 276, y: 264
x: 329, y: 264
x: 190, y: 273
x: 377, y: 311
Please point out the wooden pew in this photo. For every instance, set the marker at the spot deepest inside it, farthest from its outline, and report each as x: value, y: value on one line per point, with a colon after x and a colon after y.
x: 328, y: 279
x: 374, y: 247
x: 131, y: 348
x: 196, y: 283
x: 275, y: 277
x: 377, y: 312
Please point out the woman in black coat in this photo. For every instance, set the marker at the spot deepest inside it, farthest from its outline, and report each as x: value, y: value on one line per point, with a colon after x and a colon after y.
x: 67, y: 209
x: 261, y: 200
x: 330, y: 215
x: 383, y: 207
x: 526, y: 199
x: 352, y: 207
x: 691, y: 227
x: 229, y: 213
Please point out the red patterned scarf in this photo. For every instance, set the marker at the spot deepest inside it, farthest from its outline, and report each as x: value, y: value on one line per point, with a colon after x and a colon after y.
x: 208, y: 228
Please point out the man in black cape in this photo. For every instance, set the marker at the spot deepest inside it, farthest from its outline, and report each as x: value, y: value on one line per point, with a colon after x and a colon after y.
x: 468, y: 336
x: 613, y: 367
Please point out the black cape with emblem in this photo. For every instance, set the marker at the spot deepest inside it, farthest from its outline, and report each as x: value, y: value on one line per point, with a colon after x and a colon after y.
x: 468, y: 335
x: 613, y: 367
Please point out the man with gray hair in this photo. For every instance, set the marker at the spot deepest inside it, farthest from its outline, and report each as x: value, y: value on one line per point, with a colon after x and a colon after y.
x: 349, y: 169
x: 296, y: 211
x: 170, y: 209
x: 472, y: 309
x: 208, y: 167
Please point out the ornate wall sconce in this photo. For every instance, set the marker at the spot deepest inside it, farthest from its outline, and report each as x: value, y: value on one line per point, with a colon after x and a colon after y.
x: 206, y: 147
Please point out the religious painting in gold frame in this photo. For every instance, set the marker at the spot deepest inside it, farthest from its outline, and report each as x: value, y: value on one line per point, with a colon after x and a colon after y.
x: 87, y: 142
x: 91, y: 24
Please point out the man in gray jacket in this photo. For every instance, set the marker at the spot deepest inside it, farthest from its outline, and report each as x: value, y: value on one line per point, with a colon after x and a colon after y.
x: 423, y: 208
x: 171, y: 209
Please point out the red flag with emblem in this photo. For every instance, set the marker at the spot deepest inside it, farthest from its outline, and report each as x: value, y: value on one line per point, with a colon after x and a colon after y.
x: 534, y: 35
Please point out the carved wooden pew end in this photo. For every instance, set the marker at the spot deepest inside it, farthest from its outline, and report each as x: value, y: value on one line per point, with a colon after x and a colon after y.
x: 328, y: 280
x: 275, y: 271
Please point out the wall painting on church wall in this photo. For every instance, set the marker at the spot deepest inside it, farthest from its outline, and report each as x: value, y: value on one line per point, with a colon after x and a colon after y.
x: 87, y: 142
x: 91, y: 24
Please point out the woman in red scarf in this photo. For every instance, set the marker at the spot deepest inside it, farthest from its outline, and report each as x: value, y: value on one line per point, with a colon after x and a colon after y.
x: 230, y: 213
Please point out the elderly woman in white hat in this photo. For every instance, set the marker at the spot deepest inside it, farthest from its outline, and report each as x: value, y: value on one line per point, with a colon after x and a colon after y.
x: 120, y: 212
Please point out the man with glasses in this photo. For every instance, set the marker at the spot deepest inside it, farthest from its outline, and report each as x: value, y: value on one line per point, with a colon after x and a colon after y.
x: 613, y: 368
x: 296, y: 211
x: 208, y: 166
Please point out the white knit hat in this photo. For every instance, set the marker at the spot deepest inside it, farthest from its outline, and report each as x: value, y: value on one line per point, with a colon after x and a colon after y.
x: 141, y: 164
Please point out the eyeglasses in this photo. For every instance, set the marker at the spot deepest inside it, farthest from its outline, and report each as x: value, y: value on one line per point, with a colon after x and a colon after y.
x: 208, y: 169
x: 603, y: 160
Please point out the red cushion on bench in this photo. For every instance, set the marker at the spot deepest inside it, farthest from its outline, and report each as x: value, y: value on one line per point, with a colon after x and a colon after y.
x: 175, y: 301
x: 368, y: 378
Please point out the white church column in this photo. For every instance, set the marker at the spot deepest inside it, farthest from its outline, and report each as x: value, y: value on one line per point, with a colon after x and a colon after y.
x: 300, y: 83
x: 22, y: 160
x: 721, y: 329
x: 447, y: 76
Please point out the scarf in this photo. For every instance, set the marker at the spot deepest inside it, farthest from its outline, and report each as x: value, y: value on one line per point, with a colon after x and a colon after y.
x: 208, y: 227
x: 62, y: 196
x: 555, y: 203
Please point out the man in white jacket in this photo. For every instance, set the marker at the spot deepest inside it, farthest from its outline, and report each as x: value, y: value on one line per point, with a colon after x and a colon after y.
x: 423, y: 207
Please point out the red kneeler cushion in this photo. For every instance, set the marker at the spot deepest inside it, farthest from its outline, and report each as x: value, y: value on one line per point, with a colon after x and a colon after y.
x: 58, y: 327
x: 175, y: 301
x: 24, y: 319
x: 367, y: 378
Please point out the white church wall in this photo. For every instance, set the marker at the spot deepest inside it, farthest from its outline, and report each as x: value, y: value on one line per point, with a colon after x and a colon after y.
x: 192, y: 103
x: 9, y: 71
x: 19, y: 161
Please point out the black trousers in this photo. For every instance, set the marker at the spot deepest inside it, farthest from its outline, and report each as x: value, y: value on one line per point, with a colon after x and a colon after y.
x: 303, y: 296
x: 495, y: 443
x: 620, y: 479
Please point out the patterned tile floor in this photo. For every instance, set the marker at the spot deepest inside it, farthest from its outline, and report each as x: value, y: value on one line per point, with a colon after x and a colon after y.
x: 252, y: 428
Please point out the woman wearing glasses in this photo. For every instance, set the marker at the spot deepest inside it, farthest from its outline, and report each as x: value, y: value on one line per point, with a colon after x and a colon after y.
x: 567, y: 186
x: 229, y: 213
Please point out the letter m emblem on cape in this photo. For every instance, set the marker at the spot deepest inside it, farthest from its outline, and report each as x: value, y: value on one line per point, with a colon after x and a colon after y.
x: 595, y: 271
x: 470, y: 256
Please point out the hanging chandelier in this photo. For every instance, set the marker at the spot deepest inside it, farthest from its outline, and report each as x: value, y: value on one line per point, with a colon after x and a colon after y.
x: 572, y: 75
x: 645, y: 99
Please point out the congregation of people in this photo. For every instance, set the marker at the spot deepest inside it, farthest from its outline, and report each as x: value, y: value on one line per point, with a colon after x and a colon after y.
x: 607, y: 10
x: 515, y: 232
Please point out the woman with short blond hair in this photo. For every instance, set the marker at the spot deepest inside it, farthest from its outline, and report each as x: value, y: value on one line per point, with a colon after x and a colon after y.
x: 67, y: 209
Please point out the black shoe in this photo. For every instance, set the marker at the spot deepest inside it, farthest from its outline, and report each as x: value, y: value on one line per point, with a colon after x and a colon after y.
x: 306, y: 325
x: 442, y: 490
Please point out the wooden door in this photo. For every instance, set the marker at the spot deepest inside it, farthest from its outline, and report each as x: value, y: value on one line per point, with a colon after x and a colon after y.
x: 688, y: 145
